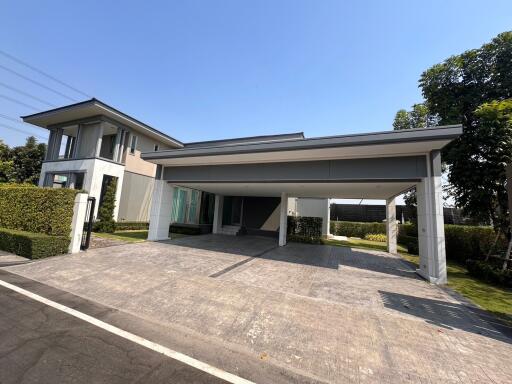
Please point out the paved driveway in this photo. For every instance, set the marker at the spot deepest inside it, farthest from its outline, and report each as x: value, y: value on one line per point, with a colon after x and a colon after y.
x: 324, y: 313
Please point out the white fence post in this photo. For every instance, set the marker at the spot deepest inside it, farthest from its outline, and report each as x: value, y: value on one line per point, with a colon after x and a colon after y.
x: 77, y: 224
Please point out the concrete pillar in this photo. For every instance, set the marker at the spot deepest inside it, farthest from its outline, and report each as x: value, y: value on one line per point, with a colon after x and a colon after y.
x: 217, y: 214
x: 283, y: 219
x: 326, y: 219
x: 431, y: 223
x: 160, y: 213
x: 391, y: 227
x: 77, y: 224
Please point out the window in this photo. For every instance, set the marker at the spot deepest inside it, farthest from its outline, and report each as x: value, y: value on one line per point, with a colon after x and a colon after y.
x: 156, y: 147
x: 133, y: 144
x: 59, y: 181
x: 79, y: 181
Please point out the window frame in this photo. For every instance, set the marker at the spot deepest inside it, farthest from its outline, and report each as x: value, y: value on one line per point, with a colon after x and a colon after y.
x: 133, y: 144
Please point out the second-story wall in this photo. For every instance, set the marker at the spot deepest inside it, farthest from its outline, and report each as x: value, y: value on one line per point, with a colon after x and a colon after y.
x: 133, y: 162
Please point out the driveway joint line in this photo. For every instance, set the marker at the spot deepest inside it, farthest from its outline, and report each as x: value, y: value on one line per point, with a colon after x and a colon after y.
x: 240, y: 263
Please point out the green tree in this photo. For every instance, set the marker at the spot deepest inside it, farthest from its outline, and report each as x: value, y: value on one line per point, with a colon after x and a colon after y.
x: 401, y: 120
x: 418, y: 117
x: 6, y: 164
x: 464, y: 89
x: 106, y: 210
x: 27, y: 161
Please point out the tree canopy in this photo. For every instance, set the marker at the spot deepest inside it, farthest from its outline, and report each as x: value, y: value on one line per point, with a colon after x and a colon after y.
x: 472, y: 88
x: 418, y: 117
x: 21, y: 164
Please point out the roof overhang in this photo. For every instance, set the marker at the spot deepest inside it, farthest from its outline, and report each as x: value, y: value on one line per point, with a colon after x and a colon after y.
x: 93, y: 108
x: 367, y: 145
x: 379, y: 190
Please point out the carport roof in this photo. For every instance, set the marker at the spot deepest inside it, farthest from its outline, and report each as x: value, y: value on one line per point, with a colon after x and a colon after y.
x: 375, y: 144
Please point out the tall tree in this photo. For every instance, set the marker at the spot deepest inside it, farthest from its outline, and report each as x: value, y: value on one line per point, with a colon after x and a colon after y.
x: 457, y: 90
x: 27, y: 161
x: 106, y: 221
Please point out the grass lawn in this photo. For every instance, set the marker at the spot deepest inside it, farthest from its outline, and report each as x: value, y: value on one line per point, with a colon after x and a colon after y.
x: 361, y: 243
x: 131, y: 236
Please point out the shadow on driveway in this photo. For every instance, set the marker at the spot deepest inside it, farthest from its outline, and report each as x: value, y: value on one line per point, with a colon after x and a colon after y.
x: 448, y: 315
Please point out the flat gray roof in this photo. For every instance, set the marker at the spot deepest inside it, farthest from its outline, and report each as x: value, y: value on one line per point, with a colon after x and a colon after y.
x: 441, y: 133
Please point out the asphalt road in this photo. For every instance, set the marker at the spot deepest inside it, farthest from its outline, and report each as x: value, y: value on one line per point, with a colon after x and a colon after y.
x: 40, y: 344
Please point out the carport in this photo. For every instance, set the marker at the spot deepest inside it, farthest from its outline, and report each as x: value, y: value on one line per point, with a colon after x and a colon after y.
x: 379, y: 165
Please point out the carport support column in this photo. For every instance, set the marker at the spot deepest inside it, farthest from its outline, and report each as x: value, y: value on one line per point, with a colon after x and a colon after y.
x: 391, y: 227
x: 217, y: 214
x: 283, y: 220
x: 429, y: 196
x: 161, y: 209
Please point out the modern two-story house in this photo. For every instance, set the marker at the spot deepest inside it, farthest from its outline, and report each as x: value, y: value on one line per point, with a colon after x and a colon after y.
x: 246, y: 185
x: 91, y: 143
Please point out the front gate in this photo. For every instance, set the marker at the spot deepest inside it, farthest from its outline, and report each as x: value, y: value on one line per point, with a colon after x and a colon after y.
x: 89, y: 217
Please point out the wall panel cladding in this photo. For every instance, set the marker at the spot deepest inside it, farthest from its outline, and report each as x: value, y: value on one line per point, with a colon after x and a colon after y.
x: 387, y: 168
x: 136, y: 196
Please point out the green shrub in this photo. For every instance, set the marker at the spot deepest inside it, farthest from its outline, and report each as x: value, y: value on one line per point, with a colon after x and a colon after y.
x: 355, y: 229
x: 32, y: 245
x: 304, y: 226
x: 39, y: 210
x: 411, y: 242
x: 131, y: 225
x: 305, y: 239
x: 106, y: 221
x: 408, y: 229
x: 469, y: 242
x: 376, y: 237
x: 485, y: 271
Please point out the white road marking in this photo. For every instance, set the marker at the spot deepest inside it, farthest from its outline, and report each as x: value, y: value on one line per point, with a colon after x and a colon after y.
x: 205, y: 367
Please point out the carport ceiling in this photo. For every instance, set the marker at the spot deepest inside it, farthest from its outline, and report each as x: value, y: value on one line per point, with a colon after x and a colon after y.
x: 366, y: 190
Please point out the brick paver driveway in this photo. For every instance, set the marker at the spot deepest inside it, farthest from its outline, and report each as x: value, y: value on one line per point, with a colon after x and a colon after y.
x: 328, y: 314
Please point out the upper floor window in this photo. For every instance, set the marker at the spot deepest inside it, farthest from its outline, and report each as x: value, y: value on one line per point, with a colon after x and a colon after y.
x: 133, y: 144
x: 156, y: 147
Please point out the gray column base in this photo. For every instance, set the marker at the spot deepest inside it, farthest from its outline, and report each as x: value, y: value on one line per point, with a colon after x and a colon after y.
x: 431, y: 279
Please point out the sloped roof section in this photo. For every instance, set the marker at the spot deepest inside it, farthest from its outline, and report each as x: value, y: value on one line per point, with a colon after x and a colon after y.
x: 247, y: 140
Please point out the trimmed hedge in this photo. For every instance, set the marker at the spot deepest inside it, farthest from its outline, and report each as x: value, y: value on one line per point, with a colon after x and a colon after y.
x: 354, y: 229
x: 304, y: 239
x: 484, y: 271
x: 131, y: 225
x: 39, y: 210
x: 462, y: 242
x: 32, y: 245
x: 465, y: 242
x: 185, y: 230
x: 304, y: 226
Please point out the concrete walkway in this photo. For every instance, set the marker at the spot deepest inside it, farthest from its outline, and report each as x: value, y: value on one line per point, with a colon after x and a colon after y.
x: 331, y: 314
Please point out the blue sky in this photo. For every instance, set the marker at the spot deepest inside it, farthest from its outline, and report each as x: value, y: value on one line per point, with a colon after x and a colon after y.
x: 201, y: 70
